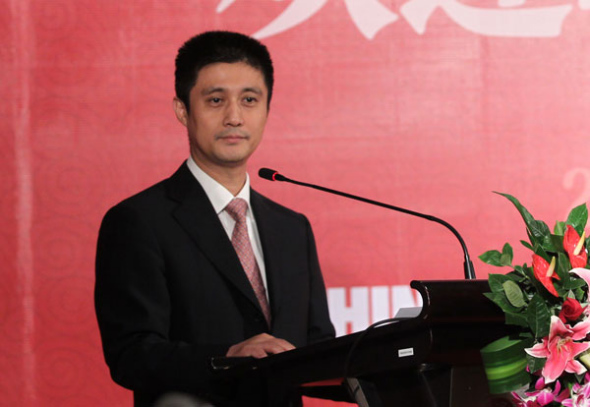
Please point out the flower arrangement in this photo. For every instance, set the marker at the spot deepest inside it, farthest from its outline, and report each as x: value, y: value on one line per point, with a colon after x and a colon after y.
x: 548, y: 300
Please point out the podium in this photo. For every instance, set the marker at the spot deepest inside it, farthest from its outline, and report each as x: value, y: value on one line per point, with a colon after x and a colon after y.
x: 429, y: 360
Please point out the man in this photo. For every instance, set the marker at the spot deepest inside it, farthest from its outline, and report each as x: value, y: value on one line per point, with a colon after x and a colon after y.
x: 182, y: 274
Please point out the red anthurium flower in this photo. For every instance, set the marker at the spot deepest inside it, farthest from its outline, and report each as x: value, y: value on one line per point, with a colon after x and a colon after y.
x: 544, y: 272
x: 573, y: 244
x: 570, y: 310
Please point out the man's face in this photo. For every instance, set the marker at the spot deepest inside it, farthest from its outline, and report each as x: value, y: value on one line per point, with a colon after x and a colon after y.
x: 227, y: 115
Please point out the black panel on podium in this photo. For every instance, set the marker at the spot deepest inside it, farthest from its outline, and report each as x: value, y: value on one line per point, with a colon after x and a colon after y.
x: 430, y: 360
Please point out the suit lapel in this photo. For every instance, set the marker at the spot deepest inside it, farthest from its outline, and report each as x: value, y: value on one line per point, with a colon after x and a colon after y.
x: 196, y: 216
x: 270, y: 238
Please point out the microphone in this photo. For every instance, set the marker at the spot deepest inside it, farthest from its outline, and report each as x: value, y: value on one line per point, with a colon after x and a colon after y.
x: 468, y: 269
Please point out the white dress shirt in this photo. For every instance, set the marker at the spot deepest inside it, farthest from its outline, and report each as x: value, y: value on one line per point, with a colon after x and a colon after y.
x: 220, y: 197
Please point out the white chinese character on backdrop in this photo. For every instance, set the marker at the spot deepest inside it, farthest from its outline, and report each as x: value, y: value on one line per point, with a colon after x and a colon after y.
x: 510, y: 19
x: 368, y: 15
x: 506, y: 21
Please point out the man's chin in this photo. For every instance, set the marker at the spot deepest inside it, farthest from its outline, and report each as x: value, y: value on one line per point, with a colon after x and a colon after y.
x: 233, y: 161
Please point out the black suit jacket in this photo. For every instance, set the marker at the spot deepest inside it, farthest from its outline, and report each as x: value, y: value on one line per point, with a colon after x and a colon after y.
x: 170, y: 291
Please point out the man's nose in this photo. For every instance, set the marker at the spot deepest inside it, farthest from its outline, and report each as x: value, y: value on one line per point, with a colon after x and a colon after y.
x: 233, y: 115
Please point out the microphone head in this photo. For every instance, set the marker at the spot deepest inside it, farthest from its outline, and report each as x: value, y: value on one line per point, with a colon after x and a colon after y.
x: 272, y: 175
x: 267, y: 173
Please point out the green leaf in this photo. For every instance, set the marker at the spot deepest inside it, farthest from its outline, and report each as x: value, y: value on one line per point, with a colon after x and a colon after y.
x: 579, y: 294
x: 520, y: 271
x: 506, y: 260
x: 535, y: 364
x: 536, y: 229
x: 565, y: 282
x: 516, y: 276
x: 492, y: 257
x: 578, y: 218
x: 557, y: 242
x: 501, y: 301
x: 559, y: 228
x: 528, y: 218
x: 541, y: 252
x: 562, y: 268
x: 575, y: 284
x: 543, y: 235
x: 507, y: 255
x: 527, y: 244
x: 536, y: 242
x: 514, y: 294
x: 496, y: 282
x: 519, y: 319
x: 538, y: 317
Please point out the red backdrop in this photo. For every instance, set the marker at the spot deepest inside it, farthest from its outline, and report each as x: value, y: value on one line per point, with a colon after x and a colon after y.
x: 425, y: 104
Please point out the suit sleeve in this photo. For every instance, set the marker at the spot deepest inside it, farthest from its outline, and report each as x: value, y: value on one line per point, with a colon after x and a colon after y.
x: 133, y: 307
x: 320, y: 327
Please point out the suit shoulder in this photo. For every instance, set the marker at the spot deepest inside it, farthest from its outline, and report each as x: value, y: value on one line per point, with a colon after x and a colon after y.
x: 144, y: 199
x: 264, y: 203
x: 160, y: 194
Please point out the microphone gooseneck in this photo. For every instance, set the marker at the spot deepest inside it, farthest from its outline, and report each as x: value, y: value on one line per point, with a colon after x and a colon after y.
x: 468, y: 269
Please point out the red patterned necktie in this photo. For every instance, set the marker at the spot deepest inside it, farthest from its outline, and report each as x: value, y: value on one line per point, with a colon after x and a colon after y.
x: 241, y: 241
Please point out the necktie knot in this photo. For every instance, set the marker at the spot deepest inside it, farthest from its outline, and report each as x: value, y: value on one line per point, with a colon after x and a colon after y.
x: 237, y: 209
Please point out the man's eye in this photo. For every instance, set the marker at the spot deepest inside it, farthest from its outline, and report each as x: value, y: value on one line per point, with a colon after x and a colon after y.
x: 249, y: 99
x: 215, y: 100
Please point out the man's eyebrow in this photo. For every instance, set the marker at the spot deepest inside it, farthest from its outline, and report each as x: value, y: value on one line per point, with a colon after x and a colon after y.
x: 215, y: 89
x: 212, y: 89
x: 256, y: 90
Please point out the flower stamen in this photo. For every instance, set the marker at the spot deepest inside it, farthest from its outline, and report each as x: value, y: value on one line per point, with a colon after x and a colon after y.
x: 551, y: 268
x: 580, y: 244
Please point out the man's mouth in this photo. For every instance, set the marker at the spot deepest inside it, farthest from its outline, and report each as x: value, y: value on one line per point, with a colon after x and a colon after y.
x: 232, y: 137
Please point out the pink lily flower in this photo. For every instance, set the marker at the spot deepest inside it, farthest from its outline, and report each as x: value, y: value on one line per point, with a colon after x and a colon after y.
x: 560, y: 349
x: 525, y: 401
x: 580, y: 395
x: 542, y: 396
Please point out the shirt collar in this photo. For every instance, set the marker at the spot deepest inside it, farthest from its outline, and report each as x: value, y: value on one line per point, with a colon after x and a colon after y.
x: 217, y: 193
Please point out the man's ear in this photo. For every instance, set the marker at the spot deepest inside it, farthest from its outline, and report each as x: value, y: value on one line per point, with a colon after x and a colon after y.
x: 180, y: 111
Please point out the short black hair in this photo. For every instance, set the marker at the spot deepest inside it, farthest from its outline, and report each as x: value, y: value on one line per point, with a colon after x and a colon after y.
x: 219, y: 46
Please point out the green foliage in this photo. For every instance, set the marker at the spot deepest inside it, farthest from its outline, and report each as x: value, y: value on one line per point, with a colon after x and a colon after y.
x: 524, y: 299
x: 559, y: 228
x: 518, y: 319
x: 538, y: 317
x: 514, y: 294
x: 557, y: 242
x: 578, y: 218
x: 496, y: 282
x: 498, y: 259
x: 492, y: 257
x: 535, y: 364
x: 526, y: 244
x: 501, y: 301
x: 507, y: 255
x: 563, y: 266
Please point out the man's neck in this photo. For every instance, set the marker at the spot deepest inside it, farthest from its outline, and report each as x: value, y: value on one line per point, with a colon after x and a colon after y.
x: 232, y: 178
